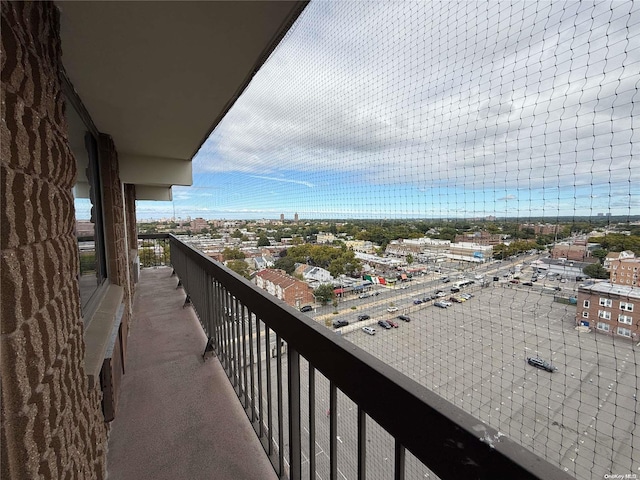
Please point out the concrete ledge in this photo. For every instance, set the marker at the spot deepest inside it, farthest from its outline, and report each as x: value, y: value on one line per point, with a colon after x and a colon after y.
x: 99, y: 335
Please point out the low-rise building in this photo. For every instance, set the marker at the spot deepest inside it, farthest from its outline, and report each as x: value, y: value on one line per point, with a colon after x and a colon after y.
x: 612, y: 256
x: 610, y: 308
x: 625, y: 272
x: 577, y: 253
x: 285, y: 287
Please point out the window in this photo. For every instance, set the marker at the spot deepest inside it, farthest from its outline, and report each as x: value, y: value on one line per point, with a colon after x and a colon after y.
x: 625, y: 332
x: 604, y: 314
x: 603, y: 326
x: 625, y: 319
x: 87, y: 194
x: 585, y: 314
x: 605, y: 302
x: 586, y: 303
x: 626, y: 306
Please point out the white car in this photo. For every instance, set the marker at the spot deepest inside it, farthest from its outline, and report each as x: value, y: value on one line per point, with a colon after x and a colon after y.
x: 392, y: 309
x: 369, y: 330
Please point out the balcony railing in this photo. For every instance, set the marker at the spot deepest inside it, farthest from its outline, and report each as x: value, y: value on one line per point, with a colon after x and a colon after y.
x: 301, y: 385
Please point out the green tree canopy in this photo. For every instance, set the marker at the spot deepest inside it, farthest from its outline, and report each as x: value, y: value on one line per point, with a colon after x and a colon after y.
x: 324, y: 293
x: 233, y: 254
x: 263, y: 241
x: 240, y: 267
x: 595, y: 270
x: 617, y: 242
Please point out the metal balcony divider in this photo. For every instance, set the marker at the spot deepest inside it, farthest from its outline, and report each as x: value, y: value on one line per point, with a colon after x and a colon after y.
x: 236, y: 314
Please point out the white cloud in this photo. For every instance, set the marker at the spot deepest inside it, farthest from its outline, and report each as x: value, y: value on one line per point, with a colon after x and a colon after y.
x: 507, y: 95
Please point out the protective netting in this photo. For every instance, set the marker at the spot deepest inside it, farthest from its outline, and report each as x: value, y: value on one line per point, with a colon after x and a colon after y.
x: 483, y: 114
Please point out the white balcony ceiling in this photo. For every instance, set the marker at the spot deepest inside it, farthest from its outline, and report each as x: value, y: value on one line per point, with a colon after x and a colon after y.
x: 158, y: 76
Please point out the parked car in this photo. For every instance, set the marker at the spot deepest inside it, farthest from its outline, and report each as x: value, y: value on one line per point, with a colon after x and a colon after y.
x: 417, y: 301
x: 404, y: 318
x: 540, y: 363
x: 445, y: 280
x: 456, y: 299
x: 455, y: 290
x: 392, y: 323
x: 307, y: 308
x: 384, y: 324
x: 364, y: 295
x: 466, y: 296
x: 514, y: 281
x: 363, y: 317
x: 369, y: 330
x: 340, y: 323
x: 392, y: 309
x: 440, y: 304
x: 428, y: 298
x: 527, y: 284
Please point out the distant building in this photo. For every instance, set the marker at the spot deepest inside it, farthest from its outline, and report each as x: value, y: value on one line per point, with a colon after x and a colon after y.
x: 295, y: 217
x: 282, y: 217
x: 613, y: 256
x: 610, y: 308
x: 325, y: 237
x: 470, y: 252
x: 625, y: 272
x: 314, y: 274
x: 480, y: 238
x: 285, y: 287
x: 198, y: 224
x: 577, y: 253
x: 541, y: 229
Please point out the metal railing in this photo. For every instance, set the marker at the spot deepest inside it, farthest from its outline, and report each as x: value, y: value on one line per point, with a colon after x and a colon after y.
x: 265, y: 346
x: 154, y: 250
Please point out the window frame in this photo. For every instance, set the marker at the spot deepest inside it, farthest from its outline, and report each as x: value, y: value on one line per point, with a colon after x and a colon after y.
x: 624, y: 306
x: 604, y: 314
x: 605, y: 302
x: 619, y: 329
x: 89, y: 305
x: 605, y: 327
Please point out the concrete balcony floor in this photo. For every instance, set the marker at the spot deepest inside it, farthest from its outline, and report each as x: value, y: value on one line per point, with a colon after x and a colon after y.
x: 178, y: 417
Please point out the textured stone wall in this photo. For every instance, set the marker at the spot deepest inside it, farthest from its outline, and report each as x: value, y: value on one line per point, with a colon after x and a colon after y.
x: 52, y: 424
x: 114, y: 220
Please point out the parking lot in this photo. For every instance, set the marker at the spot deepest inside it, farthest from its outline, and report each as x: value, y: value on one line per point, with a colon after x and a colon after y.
x: 583, y: 417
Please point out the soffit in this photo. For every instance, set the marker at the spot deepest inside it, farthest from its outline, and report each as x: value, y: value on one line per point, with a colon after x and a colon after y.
x: 159, y: 76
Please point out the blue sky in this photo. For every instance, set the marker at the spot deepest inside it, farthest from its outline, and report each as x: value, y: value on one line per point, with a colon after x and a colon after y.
x: 431, y: 109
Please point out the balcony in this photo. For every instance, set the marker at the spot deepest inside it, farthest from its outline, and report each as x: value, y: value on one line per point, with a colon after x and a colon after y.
x: 281, y: 390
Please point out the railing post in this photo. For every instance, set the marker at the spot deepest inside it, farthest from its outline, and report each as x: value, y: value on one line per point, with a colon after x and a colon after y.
x: 362, y: 444
x: 295, y: 436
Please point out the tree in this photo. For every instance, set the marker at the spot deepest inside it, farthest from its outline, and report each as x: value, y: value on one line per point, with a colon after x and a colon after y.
x: 600, y: 254
x: 409, y: 259
x: 240, y: 267
x: 233, y: 254
x: 287, y: 264
x: 595, y: 270
x: 324, y: 293
x: 263, y: 241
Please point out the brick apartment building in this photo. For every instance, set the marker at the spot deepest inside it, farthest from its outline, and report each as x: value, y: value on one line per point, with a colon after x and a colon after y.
x: 625, y: 272
x: 541, y: 229
x: 610, y: 308
x: 576, y: 253
x: 285, y: 287
x: 480, y: 238
x: 613, y: 307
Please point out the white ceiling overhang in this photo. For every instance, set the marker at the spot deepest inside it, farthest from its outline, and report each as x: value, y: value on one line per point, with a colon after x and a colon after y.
x: 159, y: 76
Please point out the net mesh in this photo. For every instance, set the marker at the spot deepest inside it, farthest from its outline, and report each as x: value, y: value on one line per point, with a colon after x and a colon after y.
x: 470, y: 117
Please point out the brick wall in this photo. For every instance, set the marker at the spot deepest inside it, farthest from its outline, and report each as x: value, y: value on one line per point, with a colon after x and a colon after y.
x: 52, y: 424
